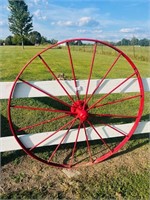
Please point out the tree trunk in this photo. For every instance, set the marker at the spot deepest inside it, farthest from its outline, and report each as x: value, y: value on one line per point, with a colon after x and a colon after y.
x: 22, y: 42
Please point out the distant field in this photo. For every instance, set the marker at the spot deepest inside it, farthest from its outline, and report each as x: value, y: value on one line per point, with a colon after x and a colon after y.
x: 135, y: 52
x: 13, y: 58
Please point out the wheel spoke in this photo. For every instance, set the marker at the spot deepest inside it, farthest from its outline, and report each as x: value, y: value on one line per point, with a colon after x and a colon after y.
x: 64, y: 126
x: 113, y: 64
x: 41, y: 109
x: 99, y: 135
x: 74, y: 148
x: 116, y: 129
x: 117, y: 101
x: 42, y: 122
x: 90, y: 74
x: 50, y: 95
x: 88, y: 145
x: 73, y: 72
x: 49, y: 69
x: 113, y: 128
x: 92, y: 106
x: 50, y: 158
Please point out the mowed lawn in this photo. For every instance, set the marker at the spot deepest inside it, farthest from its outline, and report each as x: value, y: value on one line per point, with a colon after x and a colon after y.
x: 13, y: 58
x: 123, y: 176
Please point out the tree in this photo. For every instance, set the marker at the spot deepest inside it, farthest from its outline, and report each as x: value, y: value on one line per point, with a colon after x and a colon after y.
x: 79, y: 43
x: 20, y: 21
x: 1, y: 42
x: 53, y: 41
x: 72, y: 43
x: 134, y: 41
x: 43, y: 40
x: 125, y: 42
x: 144, y: 42
x: 118, y: 43
x: 8, y: 40
x: 35, y: 37
x: 16, y: 40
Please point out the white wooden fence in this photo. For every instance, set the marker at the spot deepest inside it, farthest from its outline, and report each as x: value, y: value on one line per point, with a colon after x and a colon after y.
x: 24, y: 90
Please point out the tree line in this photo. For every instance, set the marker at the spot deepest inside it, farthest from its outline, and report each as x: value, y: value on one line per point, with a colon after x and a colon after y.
x: 33, y: 38
x: 133, y: 42
x: 124, y: 42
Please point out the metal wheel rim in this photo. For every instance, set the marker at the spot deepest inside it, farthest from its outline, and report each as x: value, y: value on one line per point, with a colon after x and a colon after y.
x: 114, y: 150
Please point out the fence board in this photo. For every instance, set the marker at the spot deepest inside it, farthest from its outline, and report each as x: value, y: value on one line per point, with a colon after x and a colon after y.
x: 9, y: 143
x: 52, y: 87
x: 23, y: 90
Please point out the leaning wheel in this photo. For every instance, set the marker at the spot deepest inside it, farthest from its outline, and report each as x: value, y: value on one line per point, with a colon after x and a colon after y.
x: 68, y: 120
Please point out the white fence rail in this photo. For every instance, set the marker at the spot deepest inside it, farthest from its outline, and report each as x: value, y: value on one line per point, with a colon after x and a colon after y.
x: 23, y: 90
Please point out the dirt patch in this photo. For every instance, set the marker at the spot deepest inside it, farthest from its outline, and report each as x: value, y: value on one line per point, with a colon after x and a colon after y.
x: 29, y: 178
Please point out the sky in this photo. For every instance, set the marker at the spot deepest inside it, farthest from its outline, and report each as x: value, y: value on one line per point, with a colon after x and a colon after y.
x: 109, y: 20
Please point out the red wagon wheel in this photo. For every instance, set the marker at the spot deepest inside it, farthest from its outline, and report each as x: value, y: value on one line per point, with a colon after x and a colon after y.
x: 71, y: 122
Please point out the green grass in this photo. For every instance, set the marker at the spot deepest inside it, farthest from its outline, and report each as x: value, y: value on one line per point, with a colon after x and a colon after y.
x: 135, y: 52
x: 14, y: 58
x: 121, y: 177
x: 133, y: 186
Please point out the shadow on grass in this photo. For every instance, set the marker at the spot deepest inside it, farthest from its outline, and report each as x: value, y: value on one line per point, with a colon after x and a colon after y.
x: 134, y: 146
x: 52, y: 103
x: 10, y: 156
x: 137, y: 142
x: 5, y: 130
x: 93, y: 118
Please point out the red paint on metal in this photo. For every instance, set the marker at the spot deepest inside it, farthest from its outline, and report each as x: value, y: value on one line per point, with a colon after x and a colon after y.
x: 80, y: 109
x: 113, y: 64
x: 111, y: 91
x: 42, y: 91
x: 49, y: 69
x: 73, y: 71
x: 90, y: 74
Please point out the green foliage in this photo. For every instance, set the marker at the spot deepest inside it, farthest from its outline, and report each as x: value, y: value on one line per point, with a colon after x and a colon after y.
x: 125, y: 42
x: 1, y: 42
x: 20, y: 21
x: 35, y: 37
x: 134, y: 41
x: 144, y: 42
x: 31, y: 39
x: 53, y: 41
x: 16, y: 40
x: 78, y: 43
x: 43, y: 40
x: 8, y: 40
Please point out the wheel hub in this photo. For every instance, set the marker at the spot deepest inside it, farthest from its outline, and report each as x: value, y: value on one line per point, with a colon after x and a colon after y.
x: 80, y: 110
